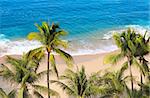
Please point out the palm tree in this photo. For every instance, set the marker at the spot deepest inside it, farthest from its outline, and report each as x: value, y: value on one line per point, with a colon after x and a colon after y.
x: 114, y: 83
x: 124, y: 41
x: 49, y: 36
x: 23, y: 71
x: 142, y: 49
x: 11, y: 94
x: 76, y: 83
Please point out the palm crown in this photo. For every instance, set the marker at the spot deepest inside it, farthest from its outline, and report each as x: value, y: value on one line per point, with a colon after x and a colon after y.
x: 49, y: 36
x: 77, y: 83
x: 23, y: 72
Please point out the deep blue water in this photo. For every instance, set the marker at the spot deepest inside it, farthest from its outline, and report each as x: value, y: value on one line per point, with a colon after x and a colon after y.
x: 78, y: 17
x: 89, y: 22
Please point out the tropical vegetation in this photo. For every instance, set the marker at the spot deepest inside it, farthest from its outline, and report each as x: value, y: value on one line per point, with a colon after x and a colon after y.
x: 49, y: 36
x: 23, y: 72
x: 77, y: 83
x: 134, y: 47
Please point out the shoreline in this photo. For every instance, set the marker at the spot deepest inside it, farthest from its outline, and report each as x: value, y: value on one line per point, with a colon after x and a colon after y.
x: 75, y: 47
x: 93, y: 43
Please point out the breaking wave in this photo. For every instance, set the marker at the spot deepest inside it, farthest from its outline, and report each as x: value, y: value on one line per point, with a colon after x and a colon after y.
x: 77, y: 47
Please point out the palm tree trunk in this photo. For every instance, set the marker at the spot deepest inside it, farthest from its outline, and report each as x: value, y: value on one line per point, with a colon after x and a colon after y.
x: 141, y: 80
x: 129, y: 64
x: 48, y: 85
x: 141, y: 74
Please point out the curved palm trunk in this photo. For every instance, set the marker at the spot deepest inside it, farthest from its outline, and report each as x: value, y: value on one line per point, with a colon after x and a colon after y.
x: 129, y: 64
x: 141, y: 81
x: 141, y: 75
x: 48, y: 85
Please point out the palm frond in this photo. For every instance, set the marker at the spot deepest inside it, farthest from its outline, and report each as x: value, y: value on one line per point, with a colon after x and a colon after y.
x: 37, y: 94
x: 40, y: 29
x: 135, y: 62
x: 131, y: 46
x: 6, y: 73
x: 68, y: 75
x: 59, y: 42
x: 67, y: 57
x: 12, y: 94
x: 46, y: 27
x: 44, y: 89
x: 37, y: 53
x: 3, y: 94
x: 53, y: 64
x: 25, y: 78
x: 113, y: 59
x: 64, y: 87
x: 34, y: 36
x: 61, y: 33
x: 43, y: 73
x: 34, y: 57
x: 16, y: 63
x: 123, y: 68
x: 117, y: 39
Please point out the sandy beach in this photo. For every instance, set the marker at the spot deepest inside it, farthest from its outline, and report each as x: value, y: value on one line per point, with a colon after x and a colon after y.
x: 91, y: 62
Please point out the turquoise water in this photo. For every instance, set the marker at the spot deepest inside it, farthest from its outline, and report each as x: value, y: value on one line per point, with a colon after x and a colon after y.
x: 84, y: 19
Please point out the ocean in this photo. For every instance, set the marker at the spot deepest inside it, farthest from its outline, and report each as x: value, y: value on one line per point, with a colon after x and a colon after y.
x: 90, y: 23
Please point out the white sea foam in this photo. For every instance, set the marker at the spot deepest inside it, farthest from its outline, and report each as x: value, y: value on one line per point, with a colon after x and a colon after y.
x: 137, y: 28
x: 93, y: 51
x: 8, y: 47
x: 18, y: 47
x: 77, y: 47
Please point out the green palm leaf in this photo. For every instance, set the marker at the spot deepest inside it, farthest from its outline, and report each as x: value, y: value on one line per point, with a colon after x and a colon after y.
x: 24, y: 79
x: 44, y: 89
x: 34, y: 36
x: 16, y: 63
x: 53, y: 64
x: 131, y: 46
x: 6, y: 73
x: 67, y: 57
x: 42, y: 73
x: 63, y: 86
x: 3, y: 94
x: 113, y: 59
x: 37, y: 94
x: 117, y: 39
x: 12, y: 94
